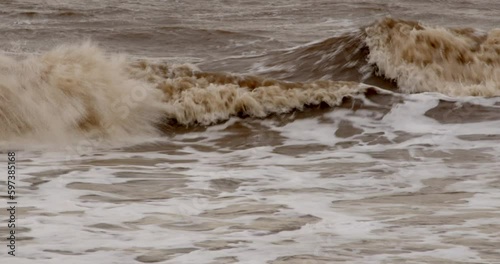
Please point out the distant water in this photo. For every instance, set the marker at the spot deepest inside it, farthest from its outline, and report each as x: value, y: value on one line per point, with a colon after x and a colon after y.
x: 253, y: 132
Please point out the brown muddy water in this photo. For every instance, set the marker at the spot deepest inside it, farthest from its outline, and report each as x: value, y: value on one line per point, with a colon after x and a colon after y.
x: 251, y: 131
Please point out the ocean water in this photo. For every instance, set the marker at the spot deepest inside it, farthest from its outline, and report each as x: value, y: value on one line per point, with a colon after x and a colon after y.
x: 251, y: 131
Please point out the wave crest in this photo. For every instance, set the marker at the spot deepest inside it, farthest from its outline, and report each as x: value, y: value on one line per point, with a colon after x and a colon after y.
x: 421, y: 58
x: 196, y: 97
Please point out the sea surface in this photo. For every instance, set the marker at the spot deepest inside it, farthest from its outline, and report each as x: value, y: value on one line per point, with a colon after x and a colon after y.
x: 251, y: 131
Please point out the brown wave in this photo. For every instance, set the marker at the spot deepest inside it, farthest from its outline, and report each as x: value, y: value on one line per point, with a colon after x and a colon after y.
x: 80, y: 90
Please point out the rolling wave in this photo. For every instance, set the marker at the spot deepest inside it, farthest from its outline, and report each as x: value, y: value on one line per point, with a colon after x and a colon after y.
x: 80, y: 90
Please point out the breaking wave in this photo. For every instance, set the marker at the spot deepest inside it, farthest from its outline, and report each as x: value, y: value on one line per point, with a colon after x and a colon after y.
x: 80, y: 90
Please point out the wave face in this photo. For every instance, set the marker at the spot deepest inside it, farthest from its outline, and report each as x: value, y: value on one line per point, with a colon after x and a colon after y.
x: 338, y: 58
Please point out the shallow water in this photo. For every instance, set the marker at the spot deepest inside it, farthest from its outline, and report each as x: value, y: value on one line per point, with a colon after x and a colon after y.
x: 384, y: 177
